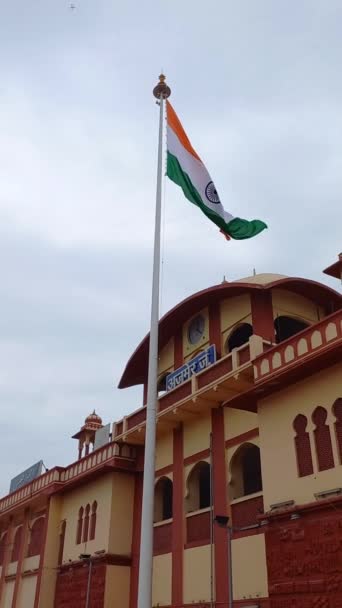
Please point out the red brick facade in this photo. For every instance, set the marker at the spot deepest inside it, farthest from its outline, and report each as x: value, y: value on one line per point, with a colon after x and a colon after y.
x: 71, y: 586
x: 304, y: 561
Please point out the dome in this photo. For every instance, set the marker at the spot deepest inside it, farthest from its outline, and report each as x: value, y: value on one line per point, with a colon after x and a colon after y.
x: 262, y: 279
x: 93, y: 419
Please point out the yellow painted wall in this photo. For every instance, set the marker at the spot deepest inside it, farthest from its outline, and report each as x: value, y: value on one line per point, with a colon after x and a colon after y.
x: 197, y: 574
x: 278, y: 457
x: 31, y: 563
x: 164, y: 450
x: 197, y: 434
x: 7, y: 594
x: 49, y: 575
x: 121, y: 514
x: 27, y: 592
x: 101, y: 491
x: 161, y: 589
x: 233, y: 312
x: 237, y: 422
x: 291, y: 304
x: 166, y: 357
x: 249, y: 567
x: 189, y: 349
x: 117, y: 587
x: 11, y: 568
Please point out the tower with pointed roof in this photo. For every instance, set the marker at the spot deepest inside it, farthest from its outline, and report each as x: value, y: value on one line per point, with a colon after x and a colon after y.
x: 86, y: 435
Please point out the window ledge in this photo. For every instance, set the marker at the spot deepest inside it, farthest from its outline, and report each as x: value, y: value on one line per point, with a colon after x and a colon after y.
x: 246, y: 497
x: 197, y: 512
x: 156, y: 524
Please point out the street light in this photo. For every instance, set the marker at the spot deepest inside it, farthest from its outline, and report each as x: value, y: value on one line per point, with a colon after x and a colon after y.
x: 223, y: 522
x: 86, y: 557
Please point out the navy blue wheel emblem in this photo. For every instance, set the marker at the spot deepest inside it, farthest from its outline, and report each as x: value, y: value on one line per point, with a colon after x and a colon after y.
x: 211, y: 193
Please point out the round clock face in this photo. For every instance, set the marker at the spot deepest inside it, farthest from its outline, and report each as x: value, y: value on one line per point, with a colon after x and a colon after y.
x: 196, y: 329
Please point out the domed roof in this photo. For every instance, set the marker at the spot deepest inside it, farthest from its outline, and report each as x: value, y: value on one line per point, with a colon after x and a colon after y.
x: 262, y: 279
x: 135, y: 371
x: 93, y: 419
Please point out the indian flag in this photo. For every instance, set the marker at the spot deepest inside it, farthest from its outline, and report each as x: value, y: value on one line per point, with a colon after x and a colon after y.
x: 185, y: 168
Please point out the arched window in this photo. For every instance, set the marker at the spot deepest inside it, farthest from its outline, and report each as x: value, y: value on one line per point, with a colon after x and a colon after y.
x: 86, y: 523
x: 36, y: 537
x: 93, y: 520
x: 2, y: 548
x: 162, y: 384
x: 239, y: 336
x: 16, y: 544
x: 337, y: 411
x: 199, y: 487
x: 303, y: 447
x: 246, y: 471
x: 325, y: 458
x: 163, y: 499
x: 79, y: 526
x: 61, y: 542
x: 285, y: 327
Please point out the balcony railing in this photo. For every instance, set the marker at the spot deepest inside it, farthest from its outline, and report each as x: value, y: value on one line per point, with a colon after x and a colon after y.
x: 199, y: 385
x: 62, y: 476
x: 308, y: 342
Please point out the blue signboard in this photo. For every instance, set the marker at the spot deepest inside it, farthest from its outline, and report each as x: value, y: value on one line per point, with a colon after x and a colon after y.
x: 197, y: 364
x: 26, y: 476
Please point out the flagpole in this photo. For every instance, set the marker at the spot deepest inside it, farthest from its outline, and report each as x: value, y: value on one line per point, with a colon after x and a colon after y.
x: 161, y: 92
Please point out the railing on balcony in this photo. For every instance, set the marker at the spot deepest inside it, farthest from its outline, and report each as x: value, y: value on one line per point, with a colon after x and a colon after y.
x: 61, y: 475
x: 307, y: 342
x: 230, y: 364
x: 162, y: 538
x: 245, y: 512
x: 198, y: 527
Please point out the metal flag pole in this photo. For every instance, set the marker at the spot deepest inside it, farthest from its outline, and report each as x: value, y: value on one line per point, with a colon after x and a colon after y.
x: 161, y: 92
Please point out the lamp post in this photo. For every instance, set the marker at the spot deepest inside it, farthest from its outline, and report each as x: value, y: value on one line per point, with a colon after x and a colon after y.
x: 223, y: 522
x: 87, y: 558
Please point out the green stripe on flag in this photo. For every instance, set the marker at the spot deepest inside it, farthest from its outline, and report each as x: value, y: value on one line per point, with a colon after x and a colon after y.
x: 237, y: 228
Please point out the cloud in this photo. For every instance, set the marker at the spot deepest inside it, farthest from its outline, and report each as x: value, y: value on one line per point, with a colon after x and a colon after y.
x: 258, y: 88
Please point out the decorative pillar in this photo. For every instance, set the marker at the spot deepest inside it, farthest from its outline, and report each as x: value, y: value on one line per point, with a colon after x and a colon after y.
x: 133, y: 592
x: 262, y: 314
x: 220, y: 506
x: 215, y: 327
x: 41, y: 557
x: 178, y: 348
x: 7, y: 554
x: 178, y: 518
x: 21, y: 556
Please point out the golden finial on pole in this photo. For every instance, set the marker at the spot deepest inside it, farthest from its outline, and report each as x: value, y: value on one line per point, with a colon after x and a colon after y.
x: 162, y: 90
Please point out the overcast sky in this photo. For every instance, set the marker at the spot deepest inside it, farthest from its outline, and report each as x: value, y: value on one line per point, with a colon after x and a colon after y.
x: 258, y: 88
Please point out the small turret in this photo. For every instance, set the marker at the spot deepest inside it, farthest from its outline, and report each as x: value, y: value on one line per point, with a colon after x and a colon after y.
x: 86, y: 435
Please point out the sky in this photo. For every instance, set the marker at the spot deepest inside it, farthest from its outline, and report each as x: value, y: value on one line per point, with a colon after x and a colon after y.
x: 258, y: 88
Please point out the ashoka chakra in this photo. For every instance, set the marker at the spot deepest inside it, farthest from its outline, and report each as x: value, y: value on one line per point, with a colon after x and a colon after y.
x: 211, y: 193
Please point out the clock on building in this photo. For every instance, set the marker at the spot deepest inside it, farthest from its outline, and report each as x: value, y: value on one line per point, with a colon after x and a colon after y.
x: 196, y: 329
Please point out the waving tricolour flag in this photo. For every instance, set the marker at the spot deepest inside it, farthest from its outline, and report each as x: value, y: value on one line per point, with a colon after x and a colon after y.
x: 185, y: 168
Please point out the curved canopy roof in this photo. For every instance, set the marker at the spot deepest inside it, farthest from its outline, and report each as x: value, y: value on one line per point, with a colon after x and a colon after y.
x: 136, y: 369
